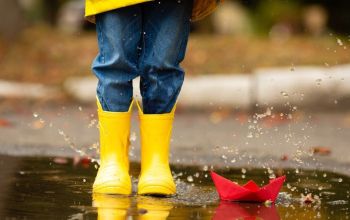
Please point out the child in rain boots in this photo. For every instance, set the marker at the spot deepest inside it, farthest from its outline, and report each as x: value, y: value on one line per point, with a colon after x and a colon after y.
x: 148, y: 39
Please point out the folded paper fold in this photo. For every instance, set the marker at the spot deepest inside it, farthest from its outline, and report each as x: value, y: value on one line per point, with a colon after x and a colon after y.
x: 250, y: 192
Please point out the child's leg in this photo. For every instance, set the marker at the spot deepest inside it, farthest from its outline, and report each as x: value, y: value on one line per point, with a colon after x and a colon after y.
x: 166, y: 26
x: 119, y: 35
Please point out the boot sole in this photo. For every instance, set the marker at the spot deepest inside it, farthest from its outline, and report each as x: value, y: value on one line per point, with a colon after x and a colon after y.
x: 156, y: 190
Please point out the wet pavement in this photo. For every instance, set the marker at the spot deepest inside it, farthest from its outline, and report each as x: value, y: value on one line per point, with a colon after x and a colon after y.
x: 218, y: 137
x: 60, y: 188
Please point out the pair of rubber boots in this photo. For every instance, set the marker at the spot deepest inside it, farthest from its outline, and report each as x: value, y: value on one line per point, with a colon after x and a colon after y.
x: 113, y: 175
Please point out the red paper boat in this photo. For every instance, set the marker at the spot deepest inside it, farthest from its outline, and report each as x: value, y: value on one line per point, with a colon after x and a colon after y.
x: 250, y: 192
x: 228, y: 210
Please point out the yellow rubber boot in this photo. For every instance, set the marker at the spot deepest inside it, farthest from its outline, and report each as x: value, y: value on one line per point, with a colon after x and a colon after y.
x: 111, y: 207
x: 113, y: 175
x: 155, y: 177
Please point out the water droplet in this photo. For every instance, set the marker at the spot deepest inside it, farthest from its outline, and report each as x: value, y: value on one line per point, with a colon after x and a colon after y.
x: 60, y: 132
x: 92, y: 123
x: 340, y: 42
x: 318, y: 81
x: 80, y: 108
x: 35, y: 115
x: 272, y: 176
x: 340, y: 180
x: 205, y: 168
x: 284, y: 94
x: 243, y: 170
x: 268, y: 112
x: 190, y: 179
x: 133, y: 136
x: 318, y: 215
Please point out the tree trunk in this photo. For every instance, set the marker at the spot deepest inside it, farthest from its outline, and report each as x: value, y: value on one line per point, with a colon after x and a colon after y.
x: 12, y: 21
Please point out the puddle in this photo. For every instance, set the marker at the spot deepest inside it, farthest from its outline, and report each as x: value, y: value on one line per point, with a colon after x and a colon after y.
x: 44, y: 188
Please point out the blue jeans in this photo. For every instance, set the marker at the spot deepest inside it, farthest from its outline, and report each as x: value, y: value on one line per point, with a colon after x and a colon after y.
x: 147, y: 40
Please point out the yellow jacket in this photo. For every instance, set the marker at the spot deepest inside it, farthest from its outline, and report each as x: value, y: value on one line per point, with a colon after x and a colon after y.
x: 201, y: 8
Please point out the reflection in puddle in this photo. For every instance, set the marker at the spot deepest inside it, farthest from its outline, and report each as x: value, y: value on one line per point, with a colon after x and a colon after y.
x: 149, y: 208
x: 111, y: 207
x: 119, y: 207
x: 228, y: 210
x: 39, y: 188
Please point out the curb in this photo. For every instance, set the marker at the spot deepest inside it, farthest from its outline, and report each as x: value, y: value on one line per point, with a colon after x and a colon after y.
x: 304, y: 87
x: 282, y: 88
x: 26, y: 90
x: 197, y: 92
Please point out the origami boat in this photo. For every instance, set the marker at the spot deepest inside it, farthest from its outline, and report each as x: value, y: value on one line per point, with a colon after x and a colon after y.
x: 250, y: 192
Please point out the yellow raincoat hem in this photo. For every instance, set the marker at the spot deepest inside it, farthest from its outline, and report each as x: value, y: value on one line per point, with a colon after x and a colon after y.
x: 201, y: 8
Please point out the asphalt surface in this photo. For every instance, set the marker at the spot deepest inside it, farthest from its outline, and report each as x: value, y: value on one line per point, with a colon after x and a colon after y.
x: 222, y: 138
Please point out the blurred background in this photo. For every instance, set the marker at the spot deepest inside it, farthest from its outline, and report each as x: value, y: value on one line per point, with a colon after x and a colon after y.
x: 49, y: 41
x: 256, y: 72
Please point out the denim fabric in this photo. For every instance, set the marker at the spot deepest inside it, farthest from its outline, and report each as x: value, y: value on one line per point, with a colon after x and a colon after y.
x: 147, y: 40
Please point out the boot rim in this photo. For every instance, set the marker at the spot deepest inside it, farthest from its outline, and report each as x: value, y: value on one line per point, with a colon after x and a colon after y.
x: 163, y: 116
x: 104, y: 113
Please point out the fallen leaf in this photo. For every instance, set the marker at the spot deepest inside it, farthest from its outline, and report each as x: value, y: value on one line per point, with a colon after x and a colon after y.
x: 218, y: 116
x: 83, y: 161
x: 5, y: 123
x: 242, y: 118
x: 319, y: 150
x: 60, y: 160
x: 38, y: 124
x: 275, y: 120
x: 284, y: 157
